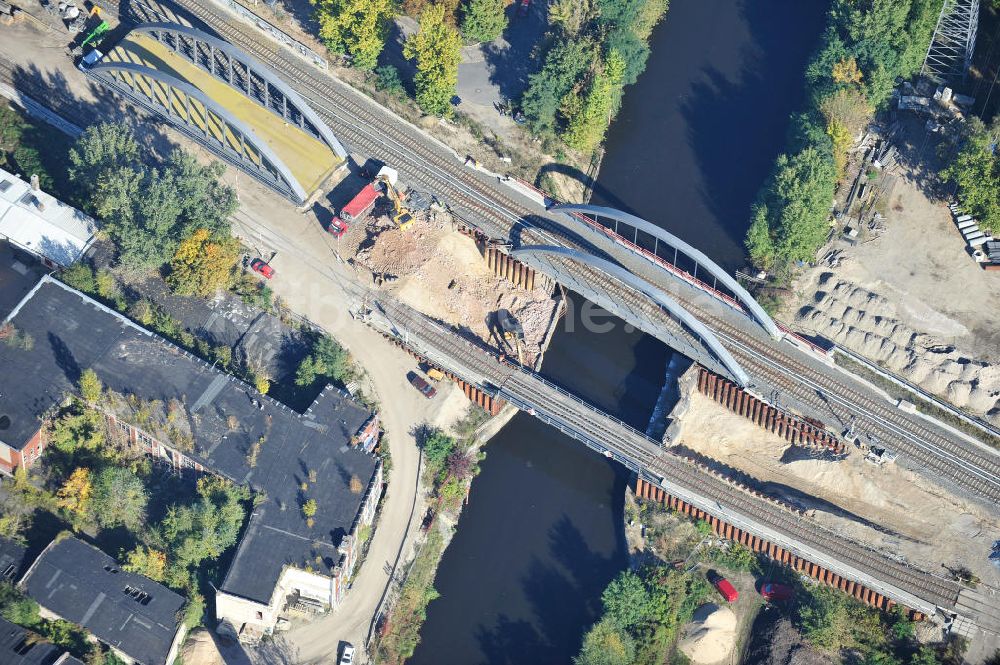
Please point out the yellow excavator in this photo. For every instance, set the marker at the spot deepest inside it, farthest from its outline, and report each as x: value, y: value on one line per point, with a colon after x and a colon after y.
x: 513, y: 332
x: 402, y: 216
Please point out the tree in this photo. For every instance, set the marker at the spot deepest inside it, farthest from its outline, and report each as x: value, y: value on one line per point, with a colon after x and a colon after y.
x: 90, y: 386
x: 759, y: 242
x: 328, y: 361
x: 80, y: 276
x: 101, y: 150
x: 147, y: 561
x: 626, y: 601
x: 202, y: 265
x: 565, y: 65
x: 437, y: 446
x: 77, y: 427
x: 572, y: 15
x: 585, y: 128
x: 74, y: 495
x: 846, y: 71
x: 847, y: 112
x: 119, y: 499
x: 976, y: 171
x: 354, y: 27
x: 796, y: 204
x: 192, y: 533
x: 825, y: 620
x: 483, y: 20
x: 436, y: 49
x: 148, y: 211
x: 606, y: 644
x: 925, y: 656
x: 309, y: 508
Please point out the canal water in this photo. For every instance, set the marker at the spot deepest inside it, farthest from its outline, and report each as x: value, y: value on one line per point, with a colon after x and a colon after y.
x: 543, y: 533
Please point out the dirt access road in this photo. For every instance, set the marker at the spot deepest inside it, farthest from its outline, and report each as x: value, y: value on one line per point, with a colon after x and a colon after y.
x: 312, y: 282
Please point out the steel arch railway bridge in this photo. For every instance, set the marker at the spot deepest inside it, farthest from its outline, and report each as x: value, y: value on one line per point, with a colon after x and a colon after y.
x: 224, y: 99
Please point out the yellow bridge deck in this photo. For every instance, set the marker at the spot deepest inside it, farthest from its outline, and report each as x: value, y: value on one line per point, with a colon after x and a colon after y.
x: 310, y: 160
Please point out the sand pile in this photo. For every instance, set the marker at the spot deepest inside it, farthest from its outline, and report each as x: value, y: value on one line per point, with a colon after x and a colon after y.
x: 888, y: 507
x: 869, y: 324
x: 200, y: 649
x: 441, y: 272
x: 710, y: 635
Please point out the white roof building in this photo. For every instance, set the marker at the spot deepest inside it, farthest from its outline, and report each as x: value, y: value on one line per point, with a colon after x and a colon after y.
x: 31, y: 220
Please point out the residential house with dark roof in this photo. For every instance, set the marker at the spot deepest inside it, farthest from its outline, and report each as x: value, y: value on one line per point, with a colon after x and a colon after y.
x: 193, y: 417
x: 137, y: 618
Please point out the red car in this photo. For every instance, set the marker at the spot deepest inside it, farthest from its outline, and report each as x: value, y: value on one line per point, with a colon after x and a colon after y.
x: 260, y: 266
x: 775, y: 593
x: 417, y: 381
x: 724, y: 587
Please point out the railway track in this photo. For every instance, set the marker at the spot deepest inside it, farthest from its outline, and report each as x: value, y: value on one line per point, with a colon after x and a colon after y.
x: 368, y: 128
x: 628, y: 441
x: 676, y: 470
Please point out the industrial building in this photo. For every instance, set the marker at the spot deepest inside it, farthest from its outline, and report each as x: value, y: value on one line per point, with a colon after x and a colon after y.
x: 137, y: 618
x: 198, y: 419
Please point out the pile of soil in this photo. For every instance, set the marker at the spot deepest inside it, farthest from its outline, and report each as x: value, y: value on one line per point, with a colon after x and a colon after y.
x: 441, y: 272
x: 777, y: 642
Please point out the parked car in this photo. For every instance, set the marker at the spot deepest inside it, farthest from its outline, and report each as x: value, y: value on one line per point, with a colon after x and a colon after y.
x: 347, y: 657
x: 723, y: 586
x: 523, y: 8
x: 775, y: 593
x: 418, y: 382
x: 262, y: 267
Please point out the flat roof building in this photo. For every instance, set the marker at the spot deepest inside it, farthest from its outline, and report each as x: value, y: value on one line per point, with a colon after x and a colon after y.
x: 19, y: 646
x: 13, y: 560
x: 197, y: 418
x: 136, y: 617
x: 40, y: 224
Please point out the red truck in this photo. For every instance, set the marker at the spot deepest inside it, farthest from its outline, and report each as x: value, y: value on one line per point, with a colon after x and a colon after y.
x: 775, y: 593
x: 357, y: 208
x: 724, y: 587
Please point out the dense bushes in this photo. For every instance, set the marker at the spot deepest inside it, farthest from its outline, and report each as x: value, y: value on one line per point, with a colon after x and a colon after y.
x: 642, y: 614
x: 867, y: 46
x: 976, y: 171
x: 595, y: 48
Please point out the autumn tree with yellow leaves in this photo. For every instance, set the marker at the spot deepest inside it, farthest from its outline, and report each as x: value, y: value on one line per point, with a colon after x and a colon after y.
x: 356, y: 28
x: 74, y: 495
x: 436, y: 49
x: 202, y: 264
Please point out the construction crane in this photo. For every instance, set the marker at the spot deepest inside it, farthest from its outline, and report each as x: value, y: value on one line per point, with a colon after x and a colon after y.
x: 401, y: 216
x: 94, y: 34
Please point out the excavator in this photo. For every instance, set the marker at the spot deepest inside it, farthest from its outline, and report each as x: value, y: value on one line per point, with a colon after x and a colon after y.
x: 513, y: 332
x: 401, y: 216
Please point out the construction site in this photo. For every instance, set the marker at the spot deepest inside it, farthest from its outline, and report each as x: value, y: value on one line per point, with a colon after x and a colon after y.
x: 347, y: 228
